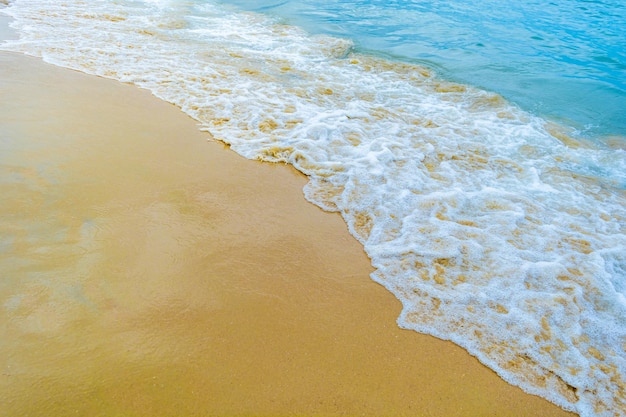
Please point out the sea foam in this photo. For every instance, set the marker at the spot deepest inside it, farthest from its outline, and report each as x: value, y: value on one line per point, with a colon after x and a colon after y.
x: 494, y: 228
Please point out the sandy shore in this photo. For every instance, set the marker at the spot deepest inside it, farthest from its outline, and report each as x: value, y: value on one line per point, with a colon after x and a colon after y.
x: 147, y: 271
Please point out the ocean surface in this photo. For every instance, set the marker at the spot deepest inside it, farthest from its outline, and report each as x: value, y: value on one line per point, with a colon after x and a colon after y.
x: 564, y: 60
x: 477, y: 152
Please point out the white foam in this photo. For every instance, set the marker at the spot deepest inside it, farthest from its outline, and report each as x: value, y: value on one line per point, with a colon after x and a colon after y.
x: 493, y: 229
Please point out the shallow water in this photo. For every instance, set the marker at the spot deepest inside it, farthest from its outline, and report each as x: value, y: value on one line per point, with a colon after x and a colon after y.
x: 562, y: 59
x: 496, y: 229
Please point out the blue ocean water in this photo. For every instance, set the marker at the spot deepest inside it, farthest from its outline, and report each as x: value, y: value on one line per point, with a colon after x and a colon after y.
x: 564, y: 60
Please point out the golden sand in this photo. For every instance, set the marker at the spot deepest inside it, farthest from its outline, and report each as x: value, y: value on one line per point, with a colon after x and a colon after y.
x: 146, y: 271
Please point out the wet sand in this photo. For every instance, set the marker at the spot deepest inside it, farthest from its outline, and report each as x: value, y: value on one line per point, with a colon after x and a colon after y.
x: 147, y: 271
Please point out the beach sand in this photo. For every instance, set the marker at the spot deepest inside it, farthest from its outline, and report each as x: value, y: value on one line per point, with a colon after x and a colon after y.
x: 147, y: 271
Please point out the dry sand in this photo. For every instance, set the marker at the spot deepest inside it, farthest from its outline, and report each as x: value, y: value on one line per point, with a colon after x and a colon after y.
x: 146, y: 271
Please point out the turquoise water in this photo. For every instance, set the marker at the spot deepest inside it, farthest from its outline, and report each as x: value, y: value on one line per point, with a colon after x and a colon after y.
x: 493, y: 226
x: 564, y: 60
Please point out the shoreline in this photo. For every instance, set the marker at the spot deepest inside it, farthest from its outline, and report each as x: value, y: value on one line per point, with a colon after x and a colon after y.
x: 179, y: 277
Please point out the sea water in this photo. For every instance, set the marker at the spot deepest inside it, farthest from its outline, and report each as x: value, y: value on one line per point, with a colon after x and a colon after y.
x: 496, y: 227
x: 564, y: 59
